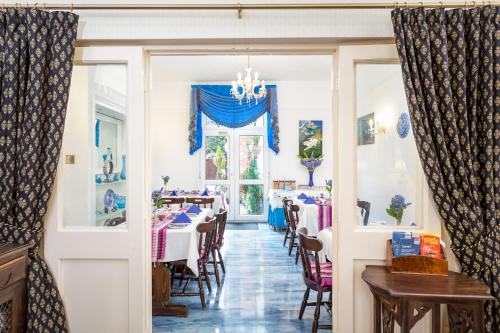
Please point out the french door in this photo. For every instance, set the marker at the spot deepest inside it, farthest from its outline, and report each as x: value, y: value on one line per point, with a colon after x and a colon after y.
x: 234, y: 161
x: 379, y: 160
x: 95, y: 240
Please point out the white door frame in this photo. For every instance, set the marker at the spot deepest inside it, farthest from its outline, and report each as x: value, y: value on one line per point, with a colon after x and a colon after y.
x: 358, y: 246
x: 101, y: 244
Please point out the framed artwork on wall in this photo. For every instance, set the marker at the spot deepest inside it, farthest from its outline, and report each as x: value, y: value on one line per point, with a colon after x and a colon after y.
x: 365, y: 136
x: 311, y: 138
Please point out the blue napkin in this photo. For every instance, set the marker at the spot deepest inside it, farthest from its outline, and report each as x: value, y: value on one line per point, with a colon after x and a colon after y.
x: 173, y: 194
x: 182, y: 218
x: 309, y: 201
x: 194, y: 209
x: 302, y: 196
x: 205, y: 193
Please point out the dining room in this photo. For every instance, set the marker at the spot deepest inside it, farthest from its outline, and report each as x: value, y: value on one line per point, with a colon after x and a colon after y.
x: 234, y: 177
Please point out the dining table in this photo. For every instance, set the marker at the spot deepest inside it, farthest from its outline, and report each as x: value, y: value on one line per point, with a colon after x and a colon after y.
x: 326, y: 238
x: 276, y: 214
x: 313, y: 216
x: 171, y: 242
x: 220, y: 199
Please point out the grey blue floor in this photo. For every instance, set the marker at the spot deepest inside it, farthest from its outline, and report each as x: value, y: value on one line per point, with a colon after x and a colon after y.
x: 261, y: 291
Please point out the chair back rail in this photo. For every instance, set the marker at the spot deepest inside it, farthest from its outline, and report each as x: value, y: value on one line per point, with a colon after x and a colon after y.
x: 286, y: 206
x: 293, y: 214
x: 310, y: 245
x: 201, y: 201
x: 172, y: 201
x: 207, y: 232
x: 221, y: 227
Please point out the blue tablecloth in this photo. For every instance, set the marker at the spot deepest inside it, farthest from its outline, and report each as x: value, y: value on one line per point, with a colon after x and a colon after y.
x: 276, y: 217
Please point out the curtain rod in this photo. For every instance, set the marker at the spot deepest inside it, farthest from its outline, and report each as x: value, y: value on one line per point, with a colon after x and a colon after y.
x: 252, y: 6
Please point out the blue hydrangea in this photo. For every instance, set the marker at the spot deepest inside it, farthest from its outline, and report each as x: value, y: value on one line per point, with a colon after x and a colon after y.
x: 398, y: 202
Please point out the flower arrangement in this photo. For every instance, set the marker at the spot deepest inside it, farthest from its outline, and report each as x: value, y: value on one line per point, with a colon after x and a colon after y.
x: 311, y: 163
x: 397, y: 207
x: 165, y: 179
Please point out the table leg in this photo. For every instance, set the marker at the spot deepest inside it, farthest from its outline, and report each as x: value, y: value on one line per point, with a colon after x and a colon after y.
x: 478, y: 320
x: 436, y: 318
x: 377, y: 314
x: 405, y: 312
x: 161, y: 293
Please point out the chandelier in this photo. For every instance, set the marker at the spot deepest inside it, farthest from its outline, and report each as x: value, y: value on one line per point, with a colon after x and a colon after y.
x: 246, y: 88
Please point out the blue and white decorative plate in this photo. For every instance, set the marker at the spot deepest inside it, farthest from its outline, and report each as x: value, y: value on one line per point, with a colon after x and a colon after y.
x: 403, y: 126
x: 109, y: 199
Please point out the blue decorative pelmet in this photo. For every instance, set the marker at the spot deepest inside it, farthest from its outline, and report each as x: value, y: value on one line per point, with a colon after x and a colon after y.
x: 216, y: 102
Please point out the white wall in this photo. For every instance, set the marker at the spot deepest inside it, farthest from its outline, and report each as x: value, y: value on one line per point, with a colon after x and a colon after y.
x: 389, y: 166
x: 297, y: 100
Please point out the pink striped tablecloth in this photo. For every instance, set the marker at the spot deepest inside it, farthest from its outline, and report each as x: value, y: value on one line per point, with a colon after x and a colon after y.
x: 177, y: 243
x: 324, y: 217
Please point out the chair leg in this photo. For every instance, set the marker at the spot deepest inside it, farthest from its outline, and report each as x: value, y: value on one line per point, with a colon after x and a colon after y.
x: 221, y: 261
x: 317, y: 312
x: 304, y: 302
x: 290, y: 244
x: 207, y: 278
x: 216, y: 269
x: 202, y: 291
x: 286, y: 236
x: 297, y: 254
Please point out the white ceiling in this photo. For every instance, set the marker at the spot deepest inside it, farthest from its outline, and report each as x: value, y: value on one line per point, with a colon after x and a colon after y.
x: 214, y: 68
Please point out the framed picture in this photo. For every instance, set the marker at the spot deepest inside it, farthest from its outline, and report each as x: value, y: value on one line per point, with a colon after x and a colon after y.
x: 310, y: 138
x: 364, y: 135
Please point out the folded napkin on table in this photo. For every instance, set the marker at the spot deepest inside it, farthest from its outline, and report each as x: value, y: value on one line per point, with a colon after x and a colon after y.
x: 173, y: 194
x: 182, y: 218
x: 204, y: 193
x: 194, y: 209
x: 302, y: 196
x: 309, y: 201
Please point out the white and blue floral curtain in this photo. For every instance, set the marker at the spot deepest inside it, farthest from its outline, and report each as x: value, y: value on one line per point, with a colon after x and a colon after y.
x: 216, y: 102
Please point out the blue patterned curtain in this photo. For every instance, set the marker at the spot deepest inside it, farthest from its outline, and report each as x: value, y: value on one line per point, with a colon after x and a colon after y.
x: 37, y: 49
x: 216, y: 102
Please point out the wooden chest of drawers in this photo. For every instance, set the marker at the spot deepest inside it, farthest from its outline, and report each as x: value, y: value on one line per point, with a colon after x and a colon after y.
x: 13, y: 264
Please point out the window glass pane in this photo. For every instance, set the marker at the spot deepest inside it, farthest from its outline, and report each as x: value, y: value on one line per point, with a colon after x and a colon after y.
x: 251, y: 156
x: 251, y: 199
x: 94, y: 147
x: 216, y: 157
x: 387, y: 159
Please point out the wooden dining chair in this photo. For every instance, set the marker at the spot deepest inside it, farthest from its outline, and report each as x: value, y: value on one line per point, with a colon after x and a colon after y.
x: 286, y: 203
x: 293, y: 215
x: 219, y: 238
x: 317, y: 276
x: 168, y: 201
x: 206, y: 231
x: 199, y: 201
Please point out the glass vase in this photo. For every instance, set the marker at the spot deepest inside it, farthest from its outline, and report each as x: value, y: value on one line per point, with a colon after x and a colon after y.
x: 311, y: 178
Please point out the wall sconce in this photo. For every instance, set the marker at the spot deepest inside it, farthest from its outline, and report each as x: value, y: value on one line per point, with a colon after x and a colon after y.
x: 376, y: 128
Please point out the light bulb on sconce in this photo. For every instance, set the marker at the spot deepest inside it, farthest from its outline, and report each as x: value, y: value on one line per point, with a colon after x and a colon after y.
x: 376, y: 128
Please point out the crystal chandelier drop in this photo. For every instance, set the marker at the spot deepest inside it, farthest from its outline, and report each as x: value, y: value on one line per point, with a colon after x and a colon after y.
x: 245, y: 88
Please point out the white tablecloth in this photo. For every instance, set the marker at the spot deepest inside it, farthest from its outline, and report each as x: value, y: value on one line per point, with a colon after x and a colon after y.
x: 326, y: 237
x: 219, y: 201
x: 275, y: 197
x: 308, y: 217
x: 182, y: 244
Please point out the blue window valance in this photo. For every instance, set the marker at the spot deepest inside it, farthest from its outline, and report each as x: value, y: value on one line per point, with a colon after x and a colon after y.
x: 216, y: 102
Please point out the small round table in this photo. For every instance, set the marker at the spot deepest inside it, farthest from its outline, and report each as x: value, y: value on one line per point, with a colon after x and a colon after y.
x: 406, y: 298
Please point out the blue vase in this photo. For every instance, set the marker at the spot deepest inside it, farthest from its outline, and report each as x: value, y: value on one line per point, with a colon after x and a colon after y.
x: 123, y: 173
x: 311, y: 181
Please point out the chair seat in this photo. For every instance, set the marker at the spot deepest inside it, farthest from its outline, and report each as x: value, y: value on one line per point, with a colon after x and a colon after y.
x: 326, y: 274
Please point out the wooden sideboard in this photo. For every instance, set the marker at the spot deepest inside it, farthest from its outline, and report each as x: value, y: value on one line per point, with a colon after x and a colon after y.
x: 13, y: 293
